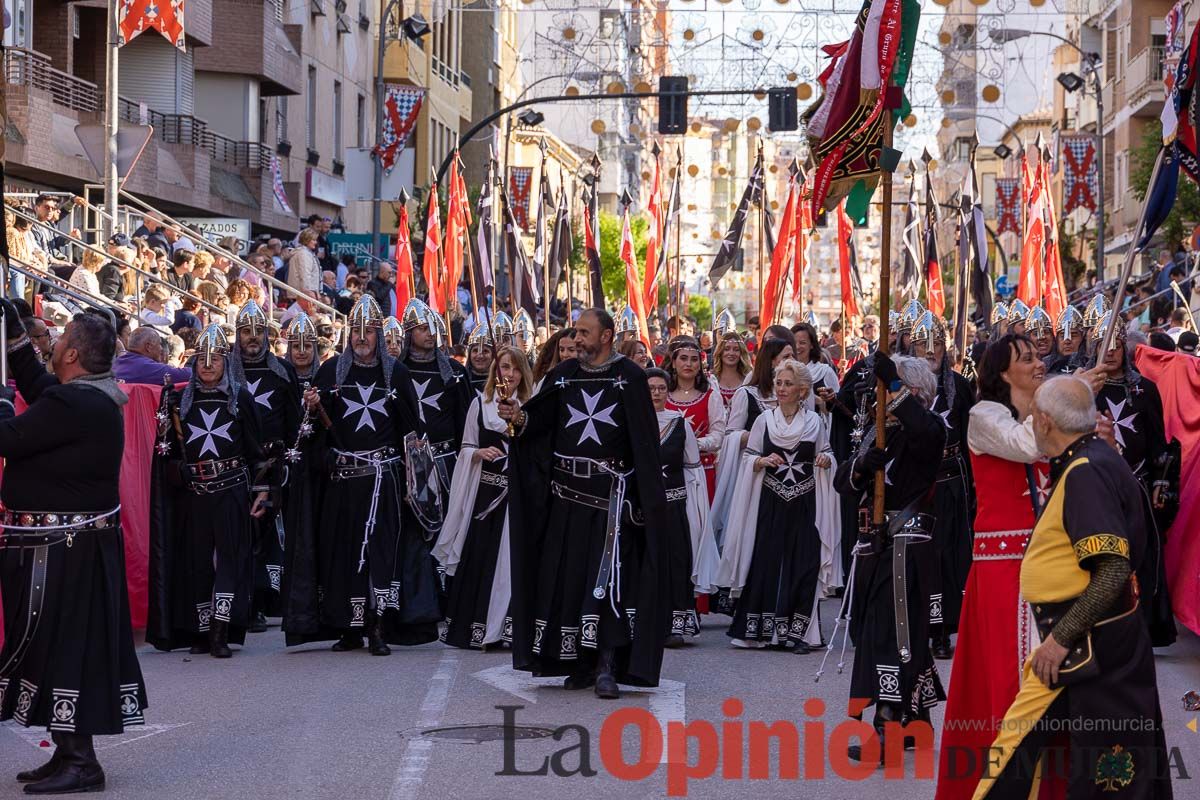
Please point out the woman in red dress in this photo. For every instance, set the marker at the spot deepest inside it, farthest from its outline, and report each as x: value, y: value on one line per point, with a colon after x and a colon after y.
x: 692, y: 396
x: 996, y: 632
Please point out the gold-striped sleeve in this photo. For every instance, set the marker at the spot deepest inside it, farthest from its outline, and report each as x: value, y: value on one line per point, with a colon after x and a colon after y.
x: 1101, y: 543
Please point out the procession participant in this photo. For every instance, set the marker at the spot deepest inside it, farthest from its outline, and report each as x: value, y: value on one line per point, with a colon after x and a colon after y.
x: 889, y: 622
x: 587, y: 507
x: 373, y: 573
x: 808, y: 352
x: 1095, y: 662
x: 557, y: 349
x: 1018, y: 312
x: 442, y: 388
x: 627, y: 326
x: 473, y: 547
x: 393, y: 336
x: 749, y: 401
x: 999, y: 320
x: 479, y: 355
x: 995, y: 631
x: 691, y: 552
x: 772, y: 559
x: 524, y: 335
x: 1133, y: 402
x: 301, y: 338
x: 275, y: 390
x: 68, y: 662
x: 953, y: 498
x: 208, y: 485
x: 692, y: 396
x: 502, y: 326
x: 1094, y: 313
x: 635, y: 350
x: 1040, y: 329
x: 909, y: 315
x: 732, y: 366
x: 1068, y: 343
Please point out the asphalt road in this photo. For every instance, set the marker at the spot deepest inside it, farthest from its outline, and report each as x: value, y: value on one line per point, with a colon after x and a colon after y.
x: 310, y: 723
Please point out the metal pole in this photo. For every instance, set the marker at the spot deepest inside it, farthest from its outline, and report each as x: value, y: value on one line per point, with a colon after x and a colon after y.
x: 885, y: 290
x: 1099, y: 172
x: 377, y: 166
x: 111, y: 124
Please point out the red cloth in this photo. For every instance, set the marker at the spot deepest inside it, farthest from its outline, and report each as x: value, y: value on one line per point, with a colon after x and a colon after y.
x: 1177, y: 376
x: 140, y: 431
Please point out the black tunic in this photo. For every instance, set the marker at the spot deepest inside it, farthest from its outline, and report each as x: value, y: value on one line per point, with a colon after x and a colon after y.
x: 68, y: 661
x: 953, y: 505
x: 678, y: 539
x: 584, y: 412
x: 881, y: 673
x: 442, y: 408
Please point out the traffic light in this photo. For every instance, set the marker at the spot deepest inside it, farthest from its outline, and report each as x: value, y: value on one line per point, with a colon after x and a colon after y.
x: 672, y: 104
x: 781, y: 109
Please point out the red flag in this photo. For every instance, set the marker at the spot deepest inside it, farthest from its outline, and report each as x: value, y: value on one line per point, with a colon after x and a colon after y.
x: 139, y: 16
x: 433, y: 243
x: 452, y: 257
x: 404, y: 265
x: 629, y: 257
x: 653, y: 239
x: 801, y: 232
x: 781, y: 258
x: 1055, y: 293
x: 1029, y: 286
x: 845, y: 235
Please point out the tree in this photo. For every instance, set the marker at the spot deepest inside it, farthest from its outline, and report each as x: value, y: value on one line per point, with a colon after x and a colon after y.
x: 612, y: 268
x: 1186, y: 211
x: 700, y: 308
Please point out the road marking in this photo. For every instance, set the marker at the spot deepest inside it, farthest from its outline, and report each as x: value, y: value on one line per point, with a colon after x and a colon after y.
x: 667, y: 701
x: 134, y: 733
x: 417, y: 750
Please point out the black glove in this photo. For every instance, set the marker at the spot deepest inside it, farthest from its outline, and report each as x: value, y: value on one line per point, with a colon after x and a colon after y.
x: 13, y: 326
x: 885, y: 370
x: 873, y: 460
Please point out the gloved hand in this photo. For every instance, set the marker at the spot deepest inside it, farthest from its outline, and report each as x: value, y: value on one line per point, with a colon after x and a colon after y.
x: 885, y: 370
x: 872, y: 461
x: 13, y: 326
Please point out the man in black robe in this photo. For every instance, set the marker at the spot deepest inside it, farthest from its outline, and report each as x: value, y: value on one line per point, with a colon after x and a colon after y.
x: 373, y: 569
x: 893, y: 667
x: 1069, y: 338
x: 587, y: 512
x: 954, y: 495
x: 208, y: 491
x: 1133, y: 403
x: 68, y: 661
x: 272, y: 384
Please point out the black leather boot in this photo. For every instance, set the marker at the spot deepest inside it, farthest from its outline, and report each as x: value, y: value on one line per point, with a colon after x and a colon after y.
x: 375, y: 639
x: 580, y: 679
x: 44, y: 771
x: 941, y: 646
x: 218, y: 640
x: 606, y: 681
x: 349, y: 641
x: 258, y: 623
x: 78, y: 771
x: 199, y: 645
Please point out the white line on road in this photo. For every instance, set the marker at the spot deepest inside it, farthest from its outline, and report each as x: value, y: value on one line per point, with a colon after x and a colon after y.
x: 417, y: 750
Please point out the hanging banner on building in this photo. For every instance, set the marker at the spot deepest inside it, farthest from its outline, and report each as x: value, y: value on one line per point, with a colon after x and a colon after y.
x: 401, y: 106
x: 277, y: 186
x: 1079, y: 173
x: 1008, y: 205
x: 138, y: 16
x: 519, y: 181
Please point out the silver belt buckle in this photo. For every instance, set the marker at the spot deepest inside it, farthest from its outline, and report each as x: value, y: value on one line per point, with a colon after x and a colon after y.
x: 575, y: 462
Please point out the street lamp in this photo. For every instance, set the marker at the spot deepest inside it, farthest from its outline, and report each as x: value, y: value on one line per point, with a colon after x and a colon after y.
x: 1090, y: 63
x: 530, y: 118
x: 1002, y: 151
x: 414, y: 28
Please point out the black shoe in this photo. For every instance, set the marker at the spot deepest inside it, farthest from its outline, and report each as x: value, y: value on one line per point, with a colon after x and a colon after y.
x: 942, y: 649
x: 802, y: 648
x: 42, y: 772
x: 606, y: 680
x: 854, y: 751
x: 579, y: 680
x: 349, y: 641
x: 259, y: 623
x: 673, y: 641
x: 199, y: 645
x: 72, y: 778
x: 218, y: 640
x: 375, y: 641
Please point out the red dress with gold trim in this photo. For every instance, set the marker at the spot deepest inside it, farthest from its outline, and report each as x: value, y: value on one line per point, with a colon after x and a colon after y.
x: 697, y: 413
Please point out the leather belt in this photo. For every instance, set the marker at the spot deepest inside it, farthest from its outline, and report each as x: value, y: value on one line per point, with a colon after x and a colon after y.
x: 226, y: 481
x: 362, y: 463
x: 677, y: 494
x: 576, y: 496
x: 493, y: 478
x: 579, y: 467
x: 214, y: 468
x: 38, y: 522
x: 445, y: 448
x: 951, y: 466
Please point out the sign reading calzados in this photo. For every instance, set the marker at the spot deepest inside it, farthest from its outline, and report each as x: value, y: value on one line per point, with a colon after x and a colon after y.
x: 217, y: 228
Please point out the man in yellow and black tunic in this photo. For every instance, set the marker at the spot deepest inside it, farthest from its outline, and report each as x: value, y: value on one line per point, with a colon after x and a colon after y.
x: 1088, y: 706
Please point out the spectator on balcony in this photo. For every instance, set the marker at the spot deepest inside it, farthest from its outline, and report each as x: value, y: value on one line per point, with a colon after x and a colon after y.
x: 143, y: 362
x: 214, y: 295
x: 154, y: 308
x: 152, y: 231
x: 344, y: 268
x: 46, y: 237
x: 383, y: 288
x: 159, y: 262
x: 304, y: 270
x: 84, y: 276
x: 178, y: 241
x: 260, y: 289
x: 201, y: 266
x: 238, y: 293
x: 187, y: 316
x: 111, y: 276
x: 329, y: 292
x: 275, y: 251
x: 221, y: 272
x: 20, y: 249
x: 180, y: 276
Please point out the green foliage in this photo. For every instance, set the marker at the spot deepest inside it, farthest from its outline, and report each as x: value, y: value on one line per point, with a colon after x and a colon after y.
x: 1073, y: 267
x: 1186, y: 212
x: 700, y: 308
x: 612, y: 269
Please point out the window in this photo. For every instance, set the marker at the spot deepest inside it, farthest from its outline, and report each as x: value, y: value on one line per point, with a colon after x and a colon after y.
x: 311, y: 121
x: 281, y: 122
x: 337, y: 120
x: 360, y: 121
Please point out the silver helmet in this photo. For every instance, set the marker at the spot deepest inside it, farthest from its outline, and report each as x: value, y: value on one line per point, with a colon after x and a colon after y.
x: 726, y: 323
x: 1038, y: 324
x: 417, y: 313
x: 480, y: 336
x: 1094, y: 312
x: 439, y: 329
x: 523, y: 331
x: 502, y: 324
x: 627, y: 322
x: 1069, y: 321
x: 1101, y: 329
x: 909, y: 315
x: 251, y: 316
x: 893, y: 320
x: 999, y: 314
x: 393, y: 333
x: 212, y: 342
x: 1017, y: 311
x: 365, y: 314
x: 301, y: 330
x: 810, y: 318
x: 929, y: 329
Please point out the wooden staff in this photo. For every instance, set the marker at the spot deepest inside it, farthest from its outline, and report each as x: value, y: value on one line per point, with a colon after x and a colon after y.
x: 885, y: 289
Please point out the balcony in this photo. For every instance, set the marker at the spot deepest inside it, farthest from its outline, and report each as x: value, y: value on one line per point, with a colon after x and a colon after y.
x: 182, y: 129
x: 251, y: 41
x: 32, y: 69
x: 1144, y: 90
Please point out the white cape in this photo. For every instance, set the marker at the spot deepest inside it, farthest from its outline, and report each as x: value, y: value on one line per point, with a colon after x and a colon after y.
x: 730, y: 457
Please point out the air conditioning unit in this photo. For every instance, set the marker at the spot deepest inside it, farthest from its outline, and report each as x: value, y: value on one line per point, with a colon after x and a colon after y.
x: 316, y: 8
x: 339, y: 6
x: 364, y: 22
x: 343, y: 23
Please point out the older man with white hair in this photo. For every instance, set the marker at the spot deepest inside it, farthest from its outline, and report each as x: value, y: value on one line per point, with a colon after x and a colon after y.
x: 1095, y: 662
x: 893, y: 665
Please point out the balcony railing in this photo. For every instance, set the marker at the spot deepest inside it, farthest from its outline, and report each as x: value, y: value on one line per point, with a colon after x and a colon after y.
x: 185, y: 129
x: 1143, y: 81
x: 29, y: 68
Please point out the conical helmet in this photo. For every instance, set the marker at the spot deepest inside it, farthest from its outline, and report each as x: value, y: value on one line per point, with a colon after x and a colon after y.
x: 481, y: 335
x: 365, y: 314
x: 502, y: 323
x: 1069, y: 321
x: 212, y: 342
x: 251, y: 316
x: 1101, y: 329
x: 416, y: 314
x: 393, y: 333
x: 810, y: 318
x: 627, y: 322
x: 929, y: 329
x: 1096, y: 308
x: 523, y: 330
x: 1017, y: 311
x: 1037, y: 323
x: 726, y: 323
x: 893, y: 320
x: 301, y: 330
x: 909, y: 315
x: 439, y: 328
x: 999, y: 314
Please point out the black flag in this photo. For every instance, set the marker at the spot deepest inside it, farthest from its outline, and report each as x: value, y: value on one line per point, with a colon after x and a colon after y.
x: 591, y: 239
x: 974, y: 271
x: 727, y: 254
x: 524, y: 287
